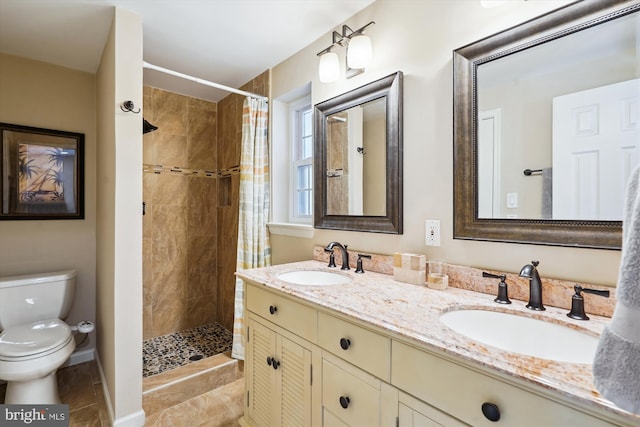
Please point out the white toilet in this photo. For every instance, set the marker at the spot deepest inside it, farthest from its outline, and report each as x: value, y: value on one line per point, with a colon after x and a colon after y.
x: 34, y: 341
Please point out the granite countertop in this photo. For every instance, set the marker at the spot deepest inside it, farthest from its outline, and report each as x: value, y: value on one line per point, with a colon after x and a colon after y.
x: 412, y: 312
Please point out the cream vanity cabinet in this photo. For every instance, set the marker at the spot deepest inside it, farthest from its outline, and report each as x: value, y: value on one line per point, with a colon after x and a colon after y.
x: 461, y: 392
x: 278, y: 362
x: 309, y: 366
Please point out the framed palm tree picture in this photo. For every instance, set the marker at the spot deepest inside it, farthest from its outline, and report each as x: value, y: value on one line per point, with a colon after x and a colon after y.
x: 42, y: 173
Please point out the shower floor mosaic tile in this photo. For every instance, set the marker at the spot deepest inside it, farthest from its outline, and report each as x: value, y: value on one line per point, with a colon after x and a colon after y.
x: 170, y: 351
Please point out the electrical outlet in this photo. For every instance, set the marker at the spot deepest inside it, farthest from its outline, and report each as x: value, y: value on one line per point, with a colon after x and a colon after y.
x: 432, y: 232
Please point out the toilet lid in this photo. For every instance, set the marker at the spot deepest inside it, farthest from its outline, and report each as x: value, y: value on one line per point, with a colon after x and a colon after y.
x: 33, y: 338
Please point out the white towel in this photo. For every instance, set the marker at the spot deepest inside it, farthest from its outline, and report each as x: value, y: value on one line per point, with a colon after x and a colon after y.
x: 616, y: 367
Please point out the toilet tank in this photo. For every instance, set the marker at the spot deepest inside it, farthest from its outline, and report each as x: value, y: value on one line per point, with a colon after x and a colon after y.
x: 33, y: 297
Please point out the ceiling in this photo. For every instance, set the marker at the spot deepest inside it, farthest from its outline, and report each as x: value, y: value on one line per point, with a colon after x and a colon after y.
x: 224, y: 41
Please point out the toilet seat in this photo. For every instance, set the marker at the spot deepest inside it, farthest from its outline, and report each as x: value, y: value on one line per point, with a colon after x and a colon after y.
x: 33, y: 340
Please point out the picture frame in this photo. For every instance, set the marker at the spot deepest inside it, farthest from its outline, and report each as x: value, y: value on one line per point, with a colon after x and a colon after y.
x: 41, y: 173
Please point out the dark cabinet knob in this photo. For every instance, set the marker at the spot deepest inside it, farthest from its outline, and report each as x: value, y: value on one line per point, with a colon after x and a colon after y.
x: 273, y: 309
x: 344, y: 402
x: 491, y: 411
x: 273, y: 362
x: 345, y: 343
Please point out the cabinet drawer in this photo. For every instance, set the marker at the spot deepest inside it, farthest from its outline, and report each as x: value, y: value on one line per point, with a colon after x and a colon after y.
x: 340, y: 382
x: 460, y: 392
x: 415, y: 413
x: 365, y: 349
x: 295, y: 317
x: 330, y: 420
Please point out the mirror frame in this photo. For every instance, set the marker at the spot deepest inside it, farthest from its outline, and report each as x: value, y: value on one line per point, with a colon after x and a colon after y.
x: 559, y: 23
x: 390, y: 88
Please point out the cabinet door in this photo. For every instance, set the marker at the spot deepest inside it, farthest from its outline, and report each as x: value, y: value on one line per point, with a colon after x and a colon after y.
x: 260, y: 376
x: 295, y: 383
x: 278, y: 377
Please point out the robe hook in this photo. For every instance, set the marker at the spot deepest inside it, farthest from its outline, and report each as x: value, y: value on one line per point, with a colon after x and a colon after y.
x: 129, y: 106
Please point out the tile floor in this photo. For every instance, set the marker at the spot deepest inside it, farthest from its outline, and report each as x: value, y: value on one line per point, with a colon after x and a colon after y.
x: 81, y: 388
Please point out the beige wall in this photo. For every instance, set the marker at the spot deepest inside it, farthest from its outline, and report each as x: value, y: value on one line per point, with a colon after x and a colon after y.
x: 119, y: 248
x: 180, y: 225
x: 47, y: 96
x: 418, y: 38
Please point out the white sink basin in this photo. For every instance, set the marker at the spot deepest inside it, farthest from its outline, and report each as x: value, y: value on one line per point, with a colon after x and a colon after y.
x: 523, y: 335
x: 314, y: 278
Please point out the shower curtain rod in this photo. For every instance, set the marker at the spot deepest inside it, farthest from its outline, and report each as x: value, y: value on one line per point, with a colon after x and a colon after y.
x: 201, y: 81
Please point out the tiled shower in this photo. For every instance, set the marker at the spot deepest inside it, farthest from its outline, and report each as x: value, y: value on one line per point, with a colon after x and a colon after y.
x: 190, y: 225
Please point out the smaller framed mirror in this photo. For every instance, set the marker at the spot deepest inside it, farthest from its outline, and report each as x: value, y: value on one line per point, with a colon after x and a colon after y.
x: 358, y: 159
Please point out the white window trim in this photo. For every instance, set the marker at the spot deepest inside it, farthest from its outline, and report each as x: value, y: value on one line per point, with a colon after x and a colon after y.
x: 292, y: 230
x: 294, y: 109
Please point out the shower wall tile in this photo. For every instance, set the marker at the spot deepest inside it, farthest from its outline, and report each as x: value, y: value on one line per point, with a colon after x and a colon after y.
x: 168, y: 189
x: 189, y: 238
x: 201, y: 208
x: 202, y: 283
x: 202, y: 310
x: 147, y: 220
x: 147, y: 269
x: 229, y: 132
x: 148, y: 148
x: 170, y: 150
x: 169, y: 302
x: 147, y: 91
x: 227, y: 252
x: 202, y: 221
x: 202, y: 254
x: 181, y: 214
x: 147, y: 322
x: 169, y: 238
x: 170, y: 111
x: 201, y: 138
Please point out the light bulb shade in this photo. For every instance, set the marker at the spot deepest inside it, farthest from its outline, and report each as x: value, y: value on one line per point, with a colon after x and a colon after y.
x: 329, y: 68
x: 359, y: 52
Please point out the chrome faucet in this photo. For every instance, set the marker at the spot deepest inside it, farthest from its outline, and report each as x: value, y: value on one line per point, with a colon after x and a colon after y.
x: 535, y: 286
x: 345, y: 254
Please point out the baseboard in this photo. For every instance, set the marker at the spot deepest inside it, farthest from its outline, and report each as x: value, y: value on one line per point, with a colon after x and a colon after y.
x: 132, y: 420
x: 78, y: 357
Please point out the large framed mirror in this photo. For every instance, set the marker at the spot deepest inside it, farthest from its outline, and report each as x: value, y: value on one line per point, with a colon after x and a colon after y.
x: 358, y: 159
x: 547, y: 127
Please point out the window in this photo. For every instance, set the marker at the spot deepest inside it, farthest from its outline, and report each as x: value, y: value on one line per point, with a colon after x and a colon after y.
x: 301, y: 195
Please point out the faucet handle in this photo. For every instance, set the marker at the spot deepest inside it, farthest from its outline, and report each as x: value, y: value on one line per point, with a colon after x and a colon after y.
x: 359, y: 268
x: 332, y: 257
x: 503, y: 291
x: 577, y: 302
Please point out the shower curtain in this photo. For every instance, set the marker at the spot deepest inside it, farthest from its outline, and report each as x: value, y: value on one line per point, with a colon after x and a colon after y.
x: 253, y: 238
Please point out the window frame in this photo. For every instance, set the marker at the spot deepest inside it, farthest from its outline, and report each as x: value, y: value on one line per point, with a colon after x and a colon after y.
x: 297, y: 109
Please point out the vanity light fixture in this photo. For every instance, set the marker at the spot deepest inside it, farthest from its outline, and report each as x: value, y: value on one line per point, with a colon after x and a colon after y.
x: 359, y: 54
x: 329, y: 68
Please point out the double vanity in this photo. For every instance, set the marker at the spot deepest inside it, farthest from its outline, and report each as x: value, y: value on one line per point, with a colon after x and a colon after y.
x: 326, y: 347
